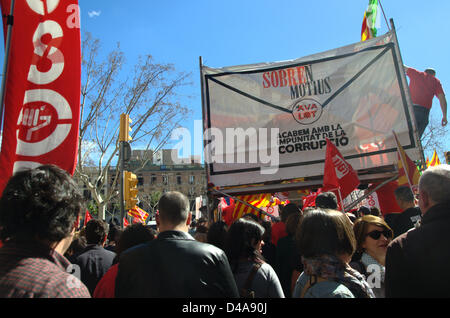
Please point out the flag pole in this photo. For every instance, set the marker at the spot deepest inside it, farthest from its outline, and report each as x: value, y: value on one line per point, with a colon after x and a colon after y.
x: 384, y: 15
x: 9, y: 23
x: 404, y: 86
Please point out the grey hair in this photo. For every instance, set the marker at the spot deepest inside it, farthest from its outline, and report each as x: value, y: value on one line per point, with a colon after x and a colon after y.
x: 435, y: 181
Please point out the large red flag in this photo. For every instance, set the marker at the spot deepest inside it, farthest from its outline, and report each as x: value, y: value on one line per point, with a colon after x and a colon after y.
x: 42, y: 94
x: 338, y: 172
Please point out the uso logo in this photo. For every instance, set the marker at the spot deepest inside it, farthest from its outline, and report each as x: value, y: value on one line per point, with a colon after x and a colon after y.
x: 307, y: 111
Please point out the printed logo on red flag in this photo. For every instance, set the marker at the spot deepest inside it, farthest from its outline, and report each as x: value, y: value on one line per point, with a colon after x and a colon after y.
x: 338, y: 173
x: 42, y: 95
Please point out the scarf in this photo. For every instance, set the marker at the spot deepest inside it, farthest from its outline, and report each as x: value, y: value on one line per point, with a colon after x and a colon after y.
x: 367, y: 260
x: 333, y: 269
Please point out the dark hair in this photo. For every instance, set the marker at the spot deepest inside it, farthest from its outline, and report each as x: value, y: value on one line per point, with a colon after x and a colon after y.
x: 363, y: 210
x: 96, y: 231
x: 217, y: 234
x: 114, y: 233
x: 240, y: 242
x: 325, y: 232
x: 133, y: 235
x: 173, y: 207
x: 326, y: 200
x: 43, y: 202
x: 78, y: 245
x: 375, y: 211
x: 289, y: 209
x: 292, y: 223
x: 404, y: 193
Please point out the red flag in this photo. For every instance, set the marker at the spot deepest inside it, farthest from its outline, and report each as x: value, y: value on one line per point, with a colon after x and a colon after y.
x: 87, y: 218
x: 338, y: 173
x: 125, y: 222
x: 42, y: 99
x: 227, y: 210
x: 310, y: 200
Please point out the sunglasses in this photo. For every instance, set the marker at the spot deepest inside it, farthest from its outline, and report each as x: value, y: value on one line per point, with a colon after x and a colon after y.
x: 377, y: 234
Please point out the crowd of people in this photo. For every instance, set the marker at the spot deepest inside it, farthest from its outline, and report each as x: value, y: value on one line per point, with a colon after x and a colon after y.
x: 316, y: 252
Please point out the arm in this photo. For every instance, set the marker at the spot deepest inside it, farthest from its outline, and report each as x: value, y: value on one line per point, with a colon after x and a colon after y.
x: 443, y: 103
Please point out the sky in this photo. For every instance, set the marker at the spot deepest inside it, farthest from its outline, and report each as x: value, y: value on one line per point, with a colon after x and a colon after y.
x: 236, y: 32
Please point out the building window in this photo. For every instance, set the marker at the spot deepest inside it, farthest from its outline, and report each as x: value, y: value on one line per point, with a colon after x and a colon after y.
x: 140, y: 181
x: 165, y: 179
x: 153, y: 179
x: 178, y: 179
x: 191, y: 179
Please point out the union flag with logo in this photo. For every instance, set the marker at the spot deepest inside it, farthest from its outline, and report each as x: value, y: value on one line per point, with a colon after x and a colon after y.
x: 43, y: 84
x: 338, y: 172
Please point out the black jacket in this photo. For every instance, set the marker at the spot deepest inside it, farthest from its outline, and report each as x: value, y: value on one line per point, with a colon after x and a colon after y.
x: 94, y: 262
x: 175, y: 265
x: 417, y: 261
x: 406, y: 221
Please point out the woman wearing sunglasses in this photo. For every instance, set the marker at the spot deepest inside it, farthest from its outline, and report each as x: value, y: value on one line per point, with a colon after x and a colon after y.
x: 373, y: 236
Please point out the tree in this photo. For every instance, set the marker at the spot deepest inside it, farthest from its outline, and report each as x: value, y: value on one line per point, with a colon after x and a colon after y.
x: 435, y: 137
x: 146, y: 92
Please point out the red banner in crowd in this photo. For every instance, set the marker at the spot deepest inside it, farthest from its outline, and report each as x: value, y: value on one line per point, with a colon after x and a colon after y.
x: 87, y: 218
x: 42, y: 99
x: 338, y: 172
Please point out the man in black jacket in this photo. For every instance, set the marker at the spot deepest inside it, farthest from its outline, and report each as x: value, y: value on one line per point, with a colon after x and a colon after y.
x: 94, y: 260
x: 175, y: 264
x: 417, y: 261
x: 411, y: 213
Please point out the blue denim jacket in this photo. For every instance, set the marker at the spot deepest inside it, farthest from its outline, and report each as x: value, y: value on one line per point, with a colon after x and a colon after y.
x: 327, y: 289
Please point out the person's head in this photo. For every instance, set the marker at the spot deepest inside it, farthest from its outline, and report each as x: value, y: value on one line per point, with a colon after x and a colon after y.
x: 267, y: 236
x: 133, y: 235
x: 289, y: 209
x: 174, y: 212
x: 114, y: 233
x: 244, y: 240
x: 202, y: 222
x: 217, y: 234
x: 363, y: 210
x: 327, y: 200
x: 434, y: 186
x: 78, y: 245
x: 292, y: 223
x: 375, y: 211
x: 326, y: 232
x: 43, y: 204
x: 373, y: 236
x: 404, y: 197
x: 431, y: 71
x: 96, y: 232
